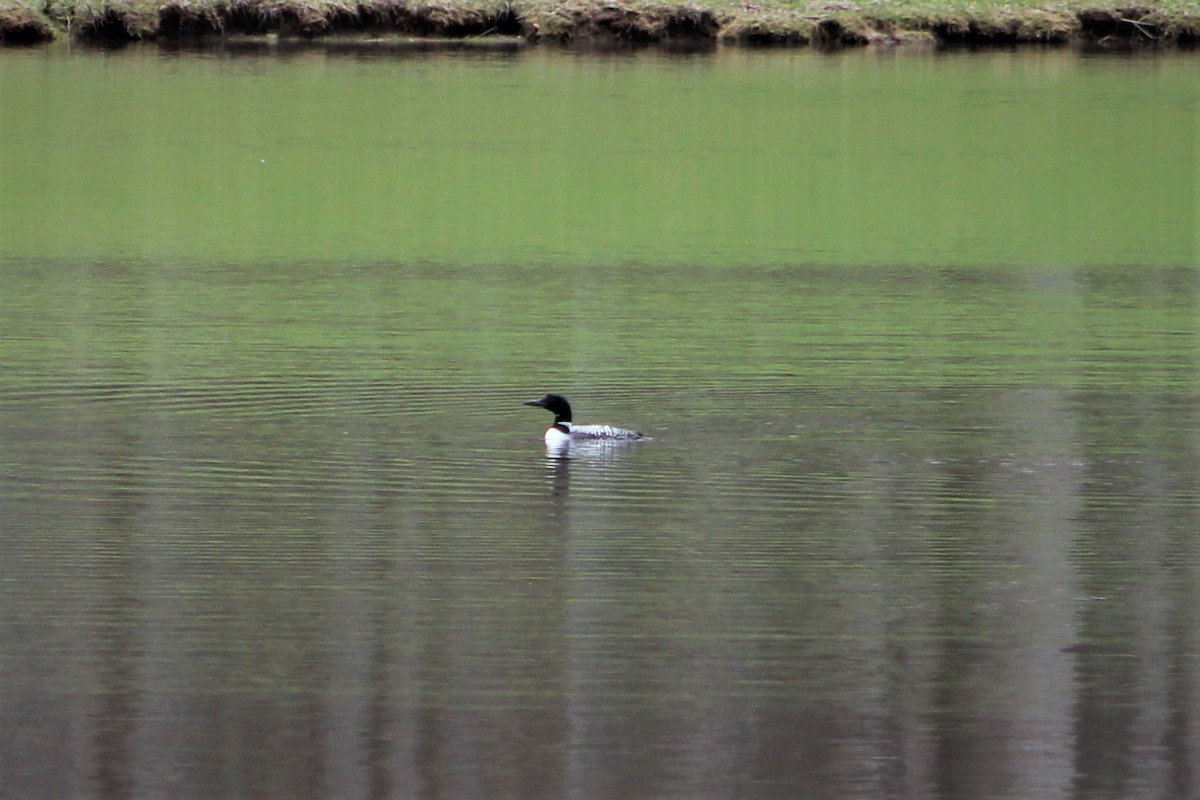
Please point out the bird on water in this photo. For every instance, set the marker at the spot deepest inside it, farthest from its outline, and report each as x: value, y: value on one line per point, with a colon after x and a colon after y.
x: 564, y: 430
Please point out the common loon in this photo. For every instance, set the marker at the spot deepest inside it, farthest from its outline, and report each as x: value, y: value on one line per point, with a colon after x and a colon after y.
x: 563, y: 430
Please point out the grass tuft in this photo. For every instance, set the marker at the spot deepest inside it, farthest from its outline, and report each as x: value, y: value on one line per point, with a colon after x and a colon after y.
x: 20, y: 24
x: 585, y: 20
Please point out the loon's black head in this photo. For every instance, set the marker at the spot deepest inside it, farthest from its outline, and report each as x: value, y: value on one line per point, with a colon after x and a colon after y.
x: 555, y: 403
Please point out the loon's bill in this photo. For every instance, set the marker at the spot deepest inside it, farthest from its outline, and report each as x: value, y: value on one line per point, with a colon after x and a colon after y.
x: 564, y: 430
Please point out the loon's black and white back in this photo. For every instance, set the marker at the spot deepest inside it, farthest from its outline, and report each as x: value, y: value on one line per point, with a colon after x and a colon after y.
x: 564, y: 430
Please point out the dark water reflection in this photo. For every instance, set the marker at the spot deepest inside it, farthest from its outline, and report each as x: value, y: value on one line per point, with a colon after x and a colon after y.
x: 986, y: 591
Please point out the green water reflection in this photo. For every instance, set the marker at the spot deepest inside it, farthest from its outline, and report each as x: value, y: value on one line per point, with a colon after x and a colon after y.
x: 745, y: 157
x: 917, y: 337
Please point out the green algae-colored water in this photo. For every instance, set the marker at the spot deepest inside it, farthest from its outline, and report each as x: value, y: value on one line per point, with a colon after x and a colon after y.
x: 916, y: 335
x: 742, y: 158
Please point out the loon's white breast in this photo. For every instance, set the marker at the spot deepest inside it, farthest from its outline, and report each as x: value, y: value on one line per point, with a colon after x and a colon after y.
x: 558, y: 435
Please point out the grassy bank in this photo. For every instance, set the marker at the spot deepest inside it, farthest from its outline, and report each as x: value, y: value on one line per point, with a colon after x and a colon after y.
x: 817, y: 22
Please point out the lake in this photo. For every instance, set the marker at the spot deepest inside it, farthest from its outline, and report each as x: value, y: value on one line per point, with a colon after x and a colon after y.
x: 916, y: 336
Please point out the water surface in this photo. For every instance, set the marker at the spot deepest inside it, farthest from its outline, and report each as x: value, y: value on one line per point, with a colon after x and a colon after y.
x: 917, y: 339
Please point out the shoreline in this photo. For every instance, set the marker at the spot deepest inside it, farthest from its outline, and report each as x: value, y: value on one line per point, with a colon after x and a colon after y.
x: 836, y: 23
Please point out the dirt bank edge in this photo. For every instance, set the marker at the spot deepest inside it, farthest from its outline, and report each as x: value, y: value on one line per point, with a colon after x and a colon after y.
x: 835, y: 23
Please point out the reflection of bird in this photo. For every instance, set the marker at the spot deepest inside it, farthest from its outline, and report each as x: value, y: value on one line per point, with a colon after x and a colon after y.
x: 564, y: 431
